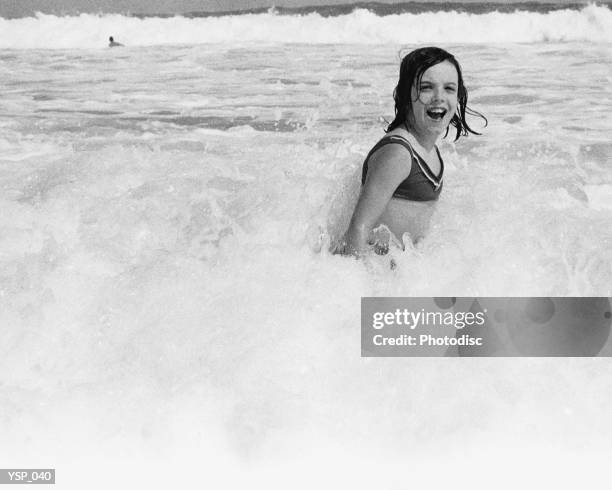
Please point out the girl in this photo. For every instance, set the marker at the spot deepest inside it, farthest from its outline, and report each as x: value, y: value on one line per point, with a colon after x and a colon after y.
x: 402, y: 174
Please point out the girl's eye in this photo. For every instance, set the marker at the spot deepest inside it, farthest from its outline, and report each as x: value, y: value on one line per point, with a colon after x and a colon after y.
x: 425, y: 87
x: 451, y: 89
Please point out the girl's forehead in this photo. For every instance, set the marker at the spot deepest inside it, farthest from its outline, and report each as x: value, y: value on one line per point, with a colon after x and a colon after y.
x: 444, y: 70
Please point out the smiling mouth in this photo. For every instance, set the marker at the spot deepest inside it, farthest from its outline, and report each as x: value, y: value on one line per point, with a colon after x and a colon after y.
x: 436, y: 114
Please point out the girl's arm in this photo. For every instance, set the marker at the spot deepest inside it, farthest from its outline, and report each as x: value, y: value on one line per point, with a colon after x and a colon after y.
x: 387, y: 168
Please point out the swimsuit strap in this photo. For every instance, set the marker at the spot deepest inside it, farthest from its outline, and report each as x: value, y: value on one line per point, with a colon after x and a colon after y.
x: 436, y: 180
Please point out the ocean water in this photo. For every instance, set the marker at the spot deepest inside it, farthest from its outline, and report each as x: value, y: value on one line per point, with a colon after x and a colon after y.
x: 168, y: 310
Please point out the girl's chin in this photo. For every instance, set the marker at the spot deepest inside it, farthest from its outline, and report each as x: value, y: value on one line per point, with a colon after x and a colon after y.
x: 437, y: 130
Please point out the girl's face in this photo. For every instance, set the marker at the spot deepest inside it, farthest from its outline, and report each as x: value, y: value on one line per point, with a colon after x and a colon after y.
x: 434, y: 101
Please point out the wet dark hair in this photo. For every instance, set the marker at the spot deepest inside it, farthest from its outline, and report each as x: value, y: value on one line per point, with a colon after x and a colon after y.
x: 413, y: 65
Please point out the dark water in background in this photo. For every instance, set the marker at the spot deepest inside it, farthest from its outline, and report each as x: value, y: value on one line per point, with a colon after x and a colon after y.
x: 381, y: 9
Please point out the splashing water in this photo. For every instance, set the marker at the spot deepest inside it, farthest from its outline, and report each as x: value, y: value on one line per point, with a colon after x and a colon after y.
x: 166, y: 296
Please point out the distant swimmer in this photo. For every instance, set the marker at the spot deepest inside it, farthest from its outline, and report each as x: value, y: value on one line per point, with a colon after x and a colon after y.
x: 112, y: 43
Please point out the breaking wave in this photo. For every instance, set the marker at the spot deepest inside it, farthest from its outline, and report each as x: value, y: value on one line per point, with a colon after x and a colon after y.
x: 592, y: 23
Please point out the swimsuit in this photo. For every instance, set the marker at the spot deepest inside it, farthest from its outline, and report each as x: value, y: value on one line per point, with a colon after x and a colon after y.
x: 421, y: 184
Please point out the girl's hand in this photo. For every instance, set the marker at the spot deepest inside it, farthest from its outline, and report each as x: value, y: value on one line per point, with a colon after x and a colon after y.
x: 341, y: 247
x: 381, y: 248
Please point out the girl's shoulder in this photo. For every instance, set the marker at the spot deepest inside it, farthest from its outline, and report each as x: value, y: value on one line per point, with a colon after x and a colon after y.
x: 392, y: 153
x: 397, y: 132
x: 392, y: 142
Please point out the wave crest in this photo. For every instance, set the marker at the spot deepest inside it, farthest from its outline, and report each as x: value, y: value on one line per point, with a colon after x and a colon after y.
x: 592, y: 23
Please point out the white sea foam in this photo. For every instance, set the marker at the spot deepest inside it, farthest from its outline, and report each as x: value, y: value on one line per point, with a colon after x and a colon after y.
x: 592, y: 23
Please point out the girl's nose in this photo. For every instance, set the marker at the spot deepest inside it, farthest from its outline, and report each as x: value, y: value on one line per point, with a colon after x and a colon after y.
x: 438, y: 94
